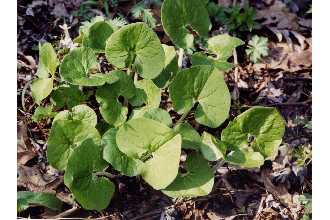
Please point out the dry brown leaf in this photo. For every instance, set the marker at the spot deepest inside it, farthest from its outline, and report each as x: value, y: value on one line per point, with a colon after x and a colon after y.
x: 279, y: 192
x: 281, y: 56
x: 34, y: 180
x: 278, y: 19
x: 225, y: 3
x: 25, y: 151
x: 279, y: 16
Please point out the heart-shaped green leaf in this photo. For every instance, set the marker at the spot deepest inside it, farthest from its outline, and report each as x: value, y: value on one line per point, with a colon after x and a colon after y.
x: 43, y: 113
x: 81, y: 113
x: 201, y: 59
x: 26, y: 199
x: 171, y: 67
x: 223, y: 45
x: 124, y: 164
x: 69, y: 130
x: 67, y: 96
x: 207, y: 87
x: 91, y: 191
x: 136, y: 46
x: 156, y: 114
x: 97, y: 34
x: 197, y: 181
x: 190, y: 137
x: 48, y: 61
x: 142, y: 136
x: 41, y: 88
x: 147, y: 93
x: 162, y: 168
x: 77, y: 66
x: 111, y: 109
x: 177, y: 15
x: 245, y: 158
x: 211, y: 149
x: 259, y: 129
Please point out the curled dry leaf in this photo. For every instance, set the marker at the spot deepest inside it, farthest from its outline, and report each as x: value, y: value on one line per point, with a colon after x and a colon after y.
x: 282, y: 56
x: 34, y: 180
x: 278, y: 19
x: 279, y: 192
x: 25, y: 150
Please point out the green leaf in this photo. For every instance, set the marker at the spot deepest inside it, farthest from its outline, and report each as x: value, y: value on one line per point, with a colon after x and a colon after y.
x: 156, y: 114
x: 211, y: 149
x: 171, y: 67
x: 120, y: 162
x: 223, y: 45
x: 201, y: 59
x: 136, y: 46
x: 197, y: 181
x: 245, y: 158
x: 190, y: 137
x: 207, y: 87
x: 91, y: 191
x: 97, y: 34
x: 147, y: 93
x: 177, y: 15
x: 111, y: 109
x: 102, y: 126
x: 67, y: 96
x: 81, y: 113
x: 69, y: 130
x: 257, y: 48
x: 41, y: 113
x: 41, y: 88
x: 148, y: 18
x: 48, y: 61
x: 259, y: 128
x: 78, y: 64
x: 162, y: 168
x: 25, y: 199
x: 141, y: 136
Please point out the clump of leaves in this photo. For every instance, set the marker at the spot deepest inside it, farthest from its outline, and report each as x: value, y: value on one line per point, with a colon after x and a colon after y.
x: 234, y: 18
x: 257, y: 48
x: 139, y: 138
x: 302, y: 155
x: 306, y: 201
x: 142, y: 11
x: 26, y: 199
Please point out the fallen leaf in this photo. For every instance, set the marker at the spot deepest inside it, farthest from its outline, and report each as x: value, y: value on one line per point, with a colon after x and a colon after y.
x: 279, y: 192
x: 282, y: 56
x: 278, y: 19
x: 25, y: 151
x: 32, y: 179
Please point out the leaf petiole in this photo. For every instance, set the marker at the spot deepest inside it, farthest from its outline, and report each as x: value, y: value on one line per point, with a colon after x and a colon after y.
x: 106, y: 174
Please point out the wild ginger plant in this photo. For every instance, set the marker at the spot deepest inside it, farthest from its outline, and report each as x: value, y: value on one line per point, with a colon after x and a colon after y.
x: 141, y: 138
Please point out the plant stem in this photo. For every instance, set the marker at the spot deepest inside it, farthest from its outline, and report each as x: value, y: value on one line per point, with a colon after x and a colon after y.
x: 180, y: 60
x: 183, y: 116
x: 104, y: 173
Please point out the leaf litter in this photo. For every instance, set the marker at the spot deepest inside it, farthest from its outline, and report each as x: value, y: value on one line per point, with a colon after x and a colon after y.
x: 282, y: 79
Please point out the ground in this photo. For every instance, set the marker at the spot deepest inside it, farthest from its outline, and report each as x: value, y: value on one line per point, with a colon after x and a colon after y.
x: 283, y: 79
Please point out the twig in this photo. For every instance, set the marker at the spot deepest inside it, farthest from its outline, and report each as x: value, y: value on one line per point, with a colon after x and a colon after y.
x: 157, y: 211
x: 260, y: 207
x: 23, y: 94
x: 66, y: 213
x: 291, y: 103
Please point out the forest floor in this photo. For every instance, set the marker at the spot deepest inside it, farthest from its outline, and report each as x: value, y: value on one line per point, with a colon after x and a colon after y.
x: 283, y: 79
